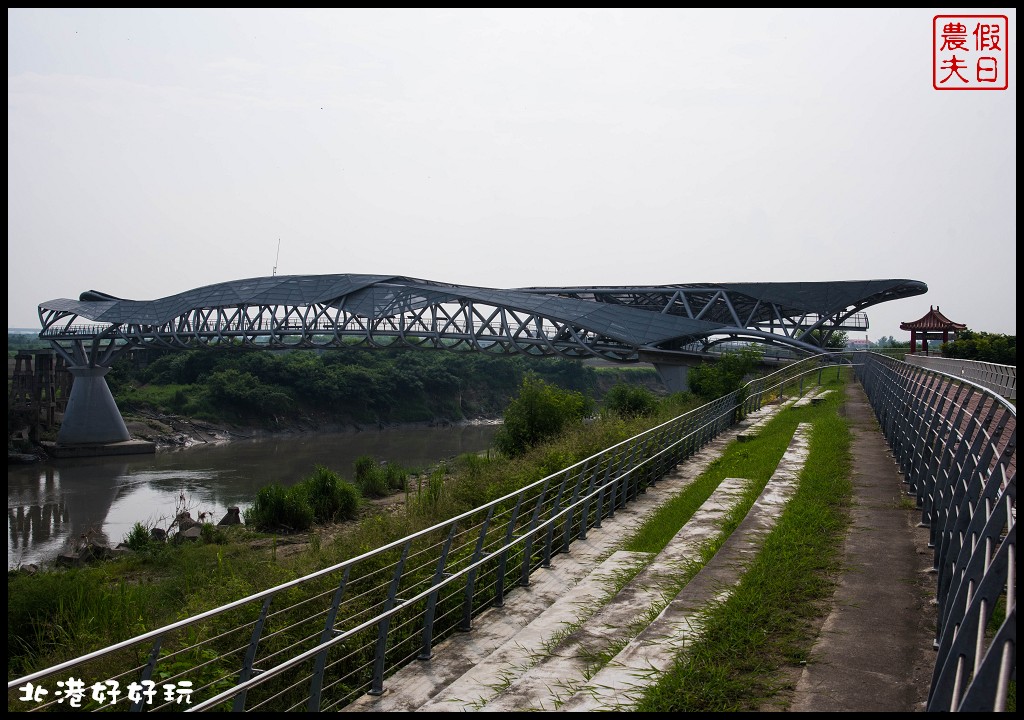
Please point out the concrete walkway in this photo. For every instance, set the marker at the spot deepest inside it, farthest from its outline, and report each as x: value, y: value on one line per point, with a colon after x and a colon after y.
x: 874, y: 652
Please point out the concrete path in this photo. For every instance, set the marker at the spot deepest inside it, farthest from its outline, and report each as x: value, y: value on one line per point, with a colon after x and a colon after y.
x: 874, y: 653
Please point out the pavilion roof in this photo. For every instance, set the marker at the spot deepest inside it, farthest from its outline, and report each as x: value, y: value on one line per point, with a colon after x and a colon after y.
x: 932, y: 320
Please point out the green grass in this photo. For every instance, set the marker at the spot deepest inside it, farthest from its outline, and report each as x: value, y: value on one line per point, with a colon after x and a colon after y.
x: 769, y: 621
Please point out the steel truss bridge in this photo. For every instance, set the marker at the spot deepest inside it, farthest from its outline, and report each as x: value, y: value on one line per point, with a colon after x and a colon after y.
x: 320, y: 311
x: 672, y: 326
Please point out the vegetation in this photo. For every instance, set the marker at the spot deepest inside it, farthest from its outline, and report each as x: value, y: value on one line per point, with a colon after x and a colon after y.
x: 630, y: 401
x: 138, y: 537
x: 715, y: 379
x: 747, y: 638
x: 984, y: 347
x: 323, y: 497
x: 541, y: 411
x: 56, y: 615
x: 344, y: 384
x: 837, y: 340
x: 24, y: 341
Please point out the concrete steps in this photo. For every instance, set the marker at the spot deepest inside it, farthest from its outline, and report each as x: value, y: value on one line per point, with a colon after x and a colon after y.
x: 541, y: 649
x: 559, y: 674
x: 754, y: 423
x: 621, y: 683
x: 811, y: 396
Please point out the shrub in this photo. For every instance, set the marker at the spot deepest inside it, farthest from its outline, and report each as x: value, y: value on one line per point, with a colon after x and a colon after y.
x: 396, y: 476
x: 715, y: 379
x: 540, y: 412
x: 138, y: 537
x: 276, y: 507
x: 211, y: 534
x: 330, y: 497
x: 370, y: 478
x: 630, y: 401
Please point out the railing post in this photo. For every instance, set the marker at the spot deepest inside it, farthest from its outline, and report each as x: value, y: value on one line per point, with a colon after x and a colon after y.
x: 499, y: 591
x: 250, y: 655
x: 321, y: 659
x: 550, y: 534
x: 585, y: 510
x: 524, y: 572
x: 428, y: 615
x: 147, y: 671
x: 467, y: 604
x: 377, y: 683
x: 567, y: 535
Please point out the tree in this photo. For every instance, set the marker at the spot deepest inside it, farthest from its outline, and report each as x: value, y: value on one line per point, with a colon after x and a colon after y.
x: 836, y: 341
x: 541, y: 411
x: 715, y: 379
x: 984, y: 347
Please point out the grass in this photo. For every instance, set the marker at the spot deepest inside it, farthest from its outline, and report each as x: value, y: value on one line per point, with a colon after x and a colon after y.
x: 767, y: 623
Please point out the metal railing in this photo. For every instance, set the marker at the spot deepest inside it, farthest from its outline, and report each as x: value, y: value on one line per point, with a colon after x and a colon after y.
x: 998, y: 378
x: 956, y: 445
x: 320, y: 641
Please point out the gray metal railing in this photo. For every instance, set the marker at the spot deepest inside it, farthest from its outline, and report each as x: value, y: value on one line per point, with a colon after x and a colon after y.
x: 956, y: 445
x: 318, y: 642
x: 998, y: 378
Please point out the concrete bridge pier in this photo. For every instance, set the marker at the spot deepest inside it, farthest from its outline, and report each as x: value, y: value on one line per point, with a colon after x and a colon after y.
x: 91, y: 416
x: 675, y: 375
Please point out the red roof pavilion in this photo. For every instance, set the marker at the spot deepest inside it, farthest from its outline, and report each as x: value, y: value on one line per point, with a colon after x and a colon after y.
x: 933, y: 325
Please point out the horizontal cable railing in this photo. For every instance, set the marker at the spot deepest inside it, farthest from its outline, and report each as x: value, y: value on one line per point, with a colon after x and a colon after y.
x: 955, y: 442
x: 998, y: 378
x: 320, y: 641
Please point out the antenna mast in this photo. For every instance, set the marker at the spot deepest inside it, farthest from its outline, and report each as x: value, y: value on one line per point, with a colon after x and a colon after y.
x: 278, y: 257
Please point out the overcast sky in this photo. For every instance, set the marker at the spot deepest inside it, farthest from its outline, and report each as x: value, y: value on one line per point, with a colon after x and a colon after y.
x: 154, y: 151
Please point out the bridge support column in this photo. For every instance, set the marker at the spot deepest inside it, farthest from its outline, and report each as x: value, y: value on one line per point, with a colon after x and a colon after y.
x: 674, y: 376
x: 91, y: 416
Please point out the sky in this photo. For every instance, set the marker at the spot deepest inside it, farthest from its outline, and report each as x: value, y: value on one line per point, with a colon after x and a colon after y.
x: 151, y: 151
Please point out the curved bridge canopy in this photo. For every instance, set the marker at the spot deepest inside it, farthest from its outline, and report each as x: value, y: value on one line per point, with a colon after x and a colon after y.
x: 616, y: 323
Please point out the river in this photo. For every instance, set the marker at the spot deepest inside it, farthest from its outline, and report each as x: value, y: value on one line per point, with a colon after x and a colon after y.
x: 51, y: 503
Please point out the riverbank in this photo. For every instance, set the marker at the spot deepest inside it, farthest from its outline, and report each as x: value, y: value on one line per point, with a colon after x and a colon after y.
x: 177, y: 432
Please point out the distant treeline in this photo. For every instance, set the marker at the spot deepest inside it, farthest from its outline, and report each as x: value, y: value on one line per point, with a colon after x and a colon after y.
x: 983, y: 346
x: 342, y: 384
x: 24, y: 341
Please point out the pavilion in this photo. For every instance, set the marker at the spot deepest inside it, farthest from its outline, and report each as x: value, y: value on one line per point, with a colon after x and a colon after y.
x: 933, y: 325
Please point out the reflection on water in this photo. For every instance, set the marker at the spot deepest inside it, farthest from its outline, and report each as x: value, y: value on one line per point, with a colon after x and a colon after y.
x: 51, y: 504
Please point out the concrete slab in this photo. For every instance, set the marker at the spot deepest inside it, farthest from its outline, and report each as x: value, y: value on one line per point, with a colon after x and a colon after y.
x: 522, y: 650
x: 621, y: 683
x: 546, y: 685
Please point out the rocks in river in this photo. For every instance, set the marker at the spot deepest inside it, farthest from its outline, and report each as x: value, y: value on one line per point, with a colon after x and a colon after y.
x: 84, y: 550
x: 233, y: 517
x: 193, y: 533
x: 158, y: 534
x: 184, y: 521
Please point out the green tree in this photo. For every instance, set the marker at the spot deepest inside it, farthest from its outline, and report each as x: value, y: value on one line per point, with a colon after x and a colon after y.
x: 540, y: 411
x: 715, y: 379
x: 630, y: 400
x: 836, y: 341
x: 984, y: 347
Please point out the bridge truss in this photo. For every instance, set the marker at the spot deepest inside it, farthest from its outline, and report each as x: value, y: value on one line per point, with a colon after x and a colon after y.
x: 322, y: 311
